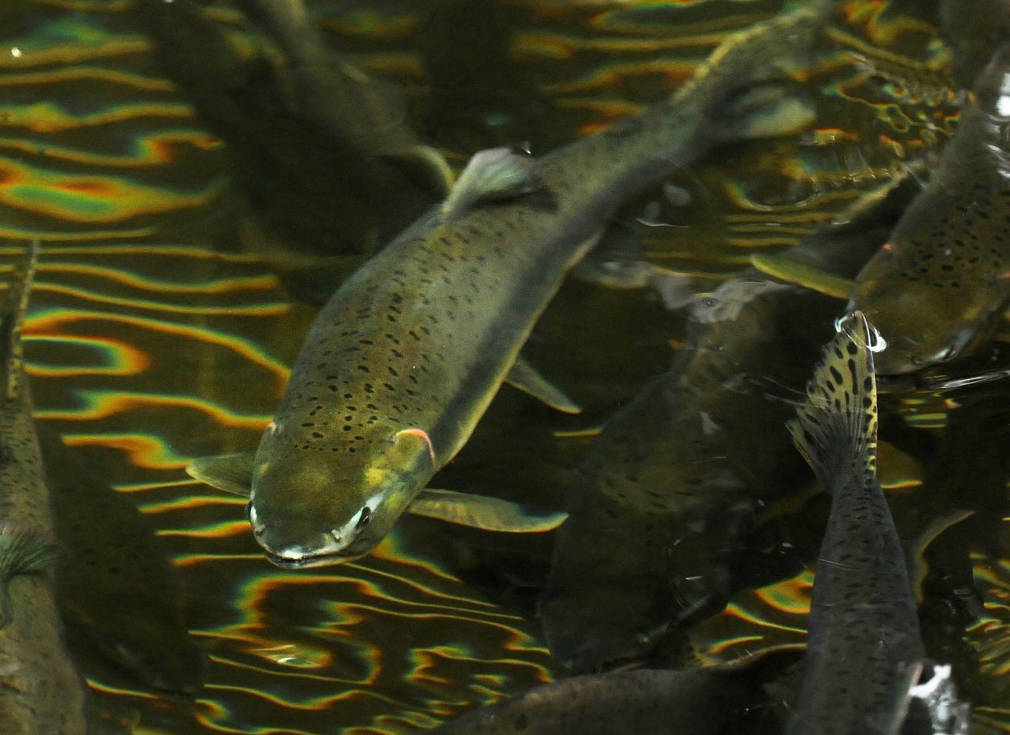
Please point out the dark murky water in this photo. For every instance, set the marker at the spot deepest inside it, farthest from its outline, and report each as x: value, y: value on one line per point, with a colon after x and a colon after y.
x: 161, y: 329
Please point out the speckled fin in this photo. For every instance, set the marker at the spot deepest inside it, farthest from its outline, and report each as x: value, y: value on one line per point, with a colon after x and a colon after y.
x: 786, y: 269
x: 22, y: 551
x: 528, y: 379
x: 231, y: 473
x: 15, y: 305
x: 491, y: 175
x: 480, y: 511
x: 836, y: 428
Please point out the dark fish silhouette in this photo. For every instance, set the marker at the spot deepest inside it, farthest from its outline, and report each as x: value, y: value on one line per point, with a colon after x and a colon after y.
x: 115, y: 586
x: 667, y: 492
x: 643, y: 702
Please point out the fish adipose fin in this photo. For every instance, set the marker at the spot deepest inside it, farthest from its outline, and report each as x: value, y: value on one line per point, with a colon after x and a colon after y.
x: 528, y: 379
x: 230, y: 473
x: 836, y: 428
x: 786, y: 269
x: 21, y: 552
x: 491, y: 175
x: 13, y: 317
x: 483, y: 512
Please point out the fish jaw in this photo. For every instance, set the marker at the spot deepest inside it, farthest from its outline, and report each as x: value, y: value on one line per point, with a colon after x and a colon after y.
x: 308, y: 511
x: 922, y: 324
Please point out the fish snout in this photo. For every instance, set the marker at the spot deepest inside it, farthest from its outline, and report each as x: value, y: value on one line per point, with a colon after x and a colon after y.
x: 289, y: 549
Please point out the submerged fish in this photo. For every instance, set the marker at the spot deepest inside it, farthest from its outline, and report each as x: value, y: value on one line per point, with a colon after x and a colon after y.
x: 666, y: 494
x: 864, y: 650
x: 114, y: 585
x: 40, y: 691
x: 940, y: 285
x: 320, y: 150
x: 643, y: 702
x: 402, y: 361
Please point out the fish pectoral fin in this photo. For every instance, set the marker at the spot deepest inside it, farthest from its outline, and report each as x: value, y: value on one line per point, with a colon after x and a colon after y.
x: 231, y: 473
x: 786, y: 269
x: 616, y: 261
x: 483, y: 512
x: 528, y: 379
x: 491, y: 175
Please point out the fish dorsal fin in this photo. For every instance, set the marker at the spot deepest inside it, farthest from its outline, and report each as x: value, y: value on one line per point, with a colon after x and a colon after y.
x: 230, y: 473
x: 792, y: 271
x: 836, y: 427
x: 483, y: 512
x: 491, y: 175
x: 528, y: 379
x: 15, y: 305
x: 22, y: 551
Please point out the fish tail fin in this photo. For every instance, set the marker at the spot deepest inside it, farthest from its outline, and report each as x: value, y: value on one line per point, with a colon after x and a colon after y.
x: 22, y: 551
x: 12, y: 319
x: 836, y: 427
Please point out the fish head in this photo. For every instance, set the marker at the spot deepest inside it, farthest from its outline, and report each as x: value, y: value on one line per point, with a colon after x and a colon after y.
x: 927, y: 313
x: 310, y: 508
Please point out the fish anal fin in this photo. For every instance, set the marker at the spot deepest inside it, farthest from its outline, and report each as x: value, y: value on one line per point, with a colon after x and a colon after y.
x: 491, y: 175
x: 483, y: 512
x: 528, y: 379
x: 786, y: 269
x: 11, y: 321
x: 230, y: 473
x: 836, y: 427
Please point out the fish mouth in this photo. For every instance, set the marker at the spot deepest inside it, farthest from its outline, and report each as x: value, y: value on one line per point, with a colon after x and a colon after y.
x: 329, y: 548
x: 309, y: 560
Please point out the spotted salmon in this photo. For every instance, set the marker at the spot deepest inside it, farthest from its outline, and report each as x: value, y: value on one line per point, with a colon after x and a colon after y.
x: 940, y: 285
x: 864, y: 650
x: 402, y: 361
x: 40, y: 691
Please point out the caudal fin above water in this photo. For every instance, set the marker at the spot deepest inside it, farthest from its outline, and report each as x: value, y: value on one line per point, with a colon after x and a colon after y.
x: 836, y: 428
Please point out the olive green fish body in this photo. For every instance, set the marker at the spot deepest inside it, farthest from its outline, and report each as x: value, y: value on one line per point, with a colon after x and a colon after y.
x: 863, y: 626
x: 40, y: 691
x: 404, y: 358
x: 941, y: 283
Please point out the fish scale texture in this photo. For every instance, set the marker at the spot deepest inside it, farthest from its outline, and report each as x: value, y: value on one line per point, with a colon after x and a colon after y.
x: 863, y: 626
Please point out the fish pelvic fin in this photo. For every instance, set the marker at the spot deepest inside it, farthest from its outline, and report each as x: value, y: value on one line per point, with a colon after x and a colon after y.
x: 836, y: 427
x: 483, y: 512
x: 22, y: 551
x: 12, y: 320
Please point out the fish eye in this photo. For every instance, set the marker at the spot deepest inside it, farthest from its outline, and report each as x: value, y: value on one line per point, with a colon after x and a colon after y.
x: 363, y: 518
